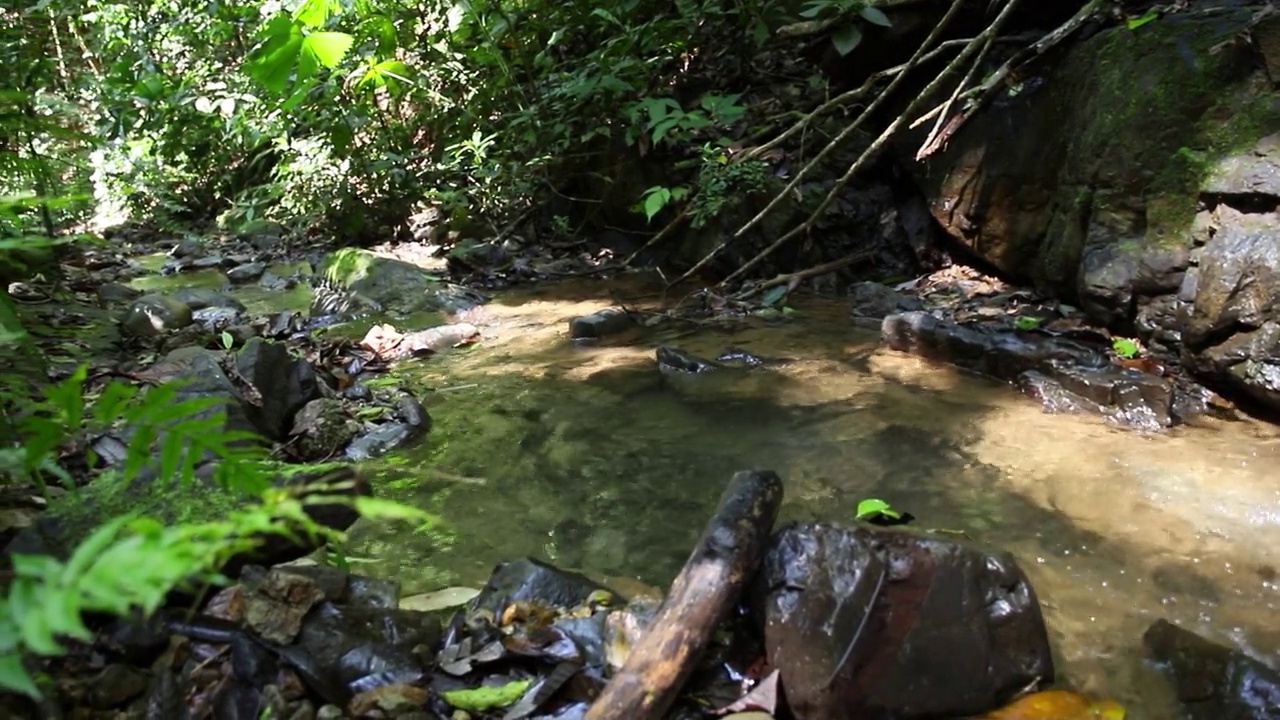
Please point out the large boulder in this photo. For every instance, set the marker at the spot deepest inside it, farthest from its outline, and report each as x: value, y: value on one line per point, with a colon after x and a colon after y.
x: 1142, y: 159
x: 394, y: 285
x: 866, y: 622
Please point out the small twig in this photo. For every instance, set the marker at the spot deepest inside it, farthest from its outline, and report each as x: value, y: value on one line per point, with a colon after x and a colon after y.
x: 960, y: 86
x: 875, y: 147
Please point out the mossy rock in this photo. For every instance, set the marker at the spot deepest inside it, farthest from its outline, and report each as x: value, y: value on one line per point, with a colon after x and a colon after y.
x: 394, y: 285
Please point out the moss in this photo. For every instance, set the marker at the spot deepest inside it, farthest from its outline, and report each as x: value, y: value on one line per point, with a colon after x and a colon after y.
x: 345, y: 266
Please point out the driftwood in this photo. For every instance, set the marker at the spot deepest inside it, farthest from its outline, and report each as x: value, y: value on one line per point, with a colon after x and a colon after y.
x: 704, y: 592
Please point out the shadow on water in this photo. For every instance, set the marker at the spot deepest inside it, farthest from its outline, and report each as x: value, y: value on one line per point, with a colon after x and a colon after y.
x: 591, y: 458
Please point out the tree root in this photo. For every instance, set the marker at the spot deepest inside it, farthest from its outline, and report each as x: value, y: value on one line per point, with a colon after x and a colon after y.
x: 792, y: 279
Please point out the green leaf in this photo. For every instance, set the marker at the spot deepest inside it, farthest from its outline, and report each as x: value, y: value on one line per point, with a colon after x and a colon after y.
x: 13, y: 676
x: 875, y: 506
x: 1126, y: 347
x: 875, y: 16
x: 655, y: 198
x: 327, y: 48
x: 486, y: 698
x: 372, y: 507
x: 1137, y: 22
x: 315, y: 13
x: 1028, y: 322
x: 846, y: 39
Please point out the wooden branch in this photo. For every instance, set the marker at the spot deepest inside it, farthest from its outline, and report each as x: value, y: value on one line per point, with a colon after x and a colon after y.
x: 799, y: 275
x: 724, y: 561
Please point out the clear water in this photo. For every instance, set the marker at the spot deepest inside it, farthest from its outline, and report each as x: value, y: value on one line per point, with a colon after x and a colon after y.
x: 590, y: 458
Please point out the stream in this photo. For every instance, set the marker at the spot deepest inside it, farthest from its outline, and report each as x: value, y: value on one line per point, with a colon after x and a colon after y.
x: 590, y: 458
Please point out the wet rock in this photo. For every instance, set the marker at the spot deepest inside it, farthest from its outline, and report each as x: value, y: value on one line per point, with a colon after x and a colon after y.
x: 674, y: 359
x: 113, y: 293
x: 395, y: 285
x: 247, y: 272
x: 188, y: 247
x: 264, y: 235
x: 1232, y: 328
x: 1213, y: 682
x: 360, y: 649
x: 322, y: 428
x: 1062, y: 373
x: 381, y: 439
x: 115, y: 686
x: 215, y: 318
x: 873, y: 301
x: 1128, y: 397
x: 879, y: 623
x: 153, y: 315
x: 206, y: 263
x: 286, y: 385
x: 411, y: 411
x: 533, y: 580
x: 358, y: 392
x: 598, y: 324
x: 200, y: 298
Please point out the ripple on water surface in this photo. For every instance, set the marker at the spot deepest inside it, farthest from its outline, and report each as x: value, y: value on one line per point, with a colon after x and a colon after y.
x: 588, y: 457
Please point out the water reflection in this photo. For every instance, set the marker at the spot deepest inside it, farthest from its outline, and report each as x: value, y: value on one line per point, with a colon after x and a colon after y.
x: 592, y: 459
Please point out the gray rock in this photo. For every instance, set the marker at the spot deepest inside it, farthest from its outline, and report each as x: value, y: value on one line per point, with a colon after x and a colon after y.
x: 286, y: 385
x: 113, y: 293
x: 201, y: 298
x: 247, y: 272
x: 321, y: 429
x: 395, y: 285
x: 188, y: 247
x: 380, y: 439
x: 873, y: 301
x: 598, y: 324
x: 1062, y: 373
x: 1254, y: 172
x: 868, y: 622
x: 153, y: 315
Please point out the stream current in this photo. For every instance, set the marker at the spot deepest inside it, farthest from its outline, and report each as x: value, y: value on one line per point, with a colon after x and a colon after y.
x: 588, y: 457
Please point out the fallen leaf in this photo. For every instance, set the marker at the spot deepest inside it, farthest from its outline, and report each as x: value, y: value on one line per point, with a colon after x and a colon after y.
x: 1057, y: 705
x: 439, y: 600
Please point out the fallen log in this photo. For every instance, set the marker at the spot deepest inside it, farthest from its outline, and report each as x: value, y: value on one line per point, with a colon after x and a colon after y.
x: 723, y: 562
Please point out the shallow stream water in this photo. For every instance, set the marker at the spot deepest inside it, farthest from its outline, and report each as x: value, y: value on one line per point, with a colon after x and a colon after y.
x: 589, y: 457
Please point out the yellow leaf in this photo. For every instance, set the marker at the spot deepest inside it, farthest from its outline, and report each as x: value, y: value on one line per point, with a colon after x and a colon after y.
x: 1057, y: 705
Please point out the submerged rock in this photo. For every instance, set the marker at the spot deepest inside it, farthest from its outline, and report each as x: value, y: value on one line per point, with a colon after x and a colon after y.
x: 1213, y: 682
x: 609, y: 321
x: 154, y: 315
x: 879, y: 623
x: 1064, y: 374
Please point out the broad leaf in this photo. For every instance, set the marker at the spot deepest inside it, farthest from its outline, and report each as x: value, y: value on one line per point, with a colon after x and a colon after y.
x: 846, y: 39
x: 875, y: 16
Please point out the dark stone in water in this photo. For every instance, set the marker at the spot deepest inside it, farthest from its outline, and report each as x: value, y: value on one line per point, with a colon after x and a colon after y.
x: 673, y: 358
x: 287, y: 384
x: 1214, y: 682
x: 1062, y: 373
x: 865, y: 622
x: 529, y: 579
x: 609, y: 321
